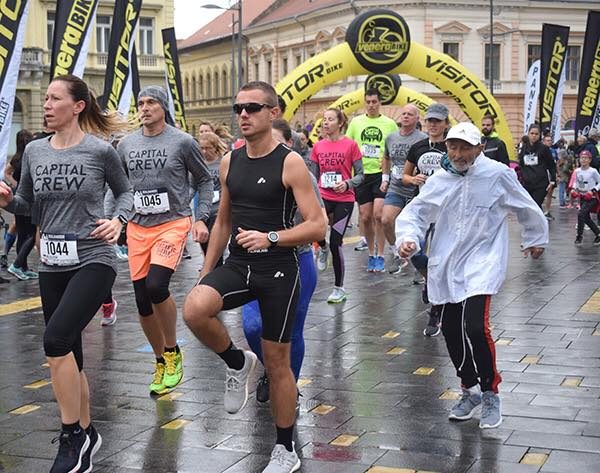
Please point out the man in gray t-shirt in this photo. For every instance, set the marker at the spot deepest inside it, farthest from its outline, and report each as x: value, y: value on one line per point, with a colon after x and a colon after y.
x: 162, y: 163
x: 397, y: 194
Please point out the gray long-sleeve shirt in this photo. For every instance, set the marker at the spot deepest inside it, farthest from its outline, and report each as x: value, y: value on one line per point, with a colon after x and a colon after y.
x: 64, y: 189
x: 158, y: 168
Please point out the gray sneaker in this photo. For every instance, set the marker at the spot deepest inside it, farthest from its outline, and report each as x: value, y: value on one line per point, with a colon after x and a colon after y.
x: 361, y: 245
x: 491, y: 416
x: 466, y: 405
x: 397, y: 264
x: 322, y: 258
x: 283, y: 461
x: 236, y: 384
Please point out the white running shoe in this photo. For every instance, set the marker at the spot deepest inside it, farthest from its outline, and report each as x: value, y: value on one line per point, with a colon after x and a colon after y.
x: 236, y: 384
x: 283, y: 461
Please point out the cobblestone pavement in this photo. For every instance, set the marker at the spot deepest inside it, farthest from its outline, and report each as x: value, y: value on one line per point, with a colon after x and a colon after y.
x: 375, y: 392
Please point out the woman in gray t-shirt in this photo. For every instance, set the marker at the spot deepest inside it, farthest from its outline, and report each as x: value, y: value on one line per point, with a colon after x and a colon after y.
x: 213, y: 149
x: 62, y: 182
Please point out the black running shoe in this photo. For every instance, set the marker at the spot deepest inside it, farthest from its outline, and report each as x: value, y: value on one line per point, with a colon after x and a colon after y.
x: 433, y: 326
x: 262, y: 388
x: 3, y: 262
x: 70, y: 451
x: 88, y: 456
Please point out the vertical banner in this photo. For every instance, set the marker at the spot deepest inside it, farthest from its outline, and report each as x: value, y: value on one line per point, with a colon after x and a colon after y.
x: 119, y: 77
x: 13, y: 22
x: 532, y: 90
x: 72, y: 33
x: 173, y: 78
x: 554, y: 51
x: 588, y: 99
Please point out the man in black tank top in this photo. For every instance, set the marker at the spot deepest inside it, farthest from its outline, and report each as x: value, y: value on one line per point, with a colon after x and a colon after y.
x: 262, y: 183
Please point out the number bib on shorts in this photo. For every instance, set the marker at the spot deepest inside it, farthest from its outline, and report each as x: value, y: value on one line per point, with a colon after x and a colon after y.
x: 530, y: 159
x: 330, y: 179
x: 151, y: 201
x: 59, y: 250
x: 370, y: 151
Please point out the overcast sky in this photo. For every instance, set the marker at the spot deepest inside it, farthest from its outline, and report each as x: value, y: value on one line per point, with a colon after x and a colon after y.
x: 190, y: 16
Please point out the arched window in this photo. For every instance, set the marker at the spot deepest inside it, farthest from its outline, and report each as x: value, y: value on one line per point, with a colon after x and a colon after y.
x: 201, y: 94
x: 209, y: 91
x: 216, y: 85
x: 193, y: 92
x: 224, y: 84
x: 186, y: 88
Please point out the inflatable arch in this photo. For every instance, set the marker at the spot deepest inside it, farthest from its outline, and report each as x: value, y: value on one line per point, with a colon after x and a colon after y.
x: 392, y: 93
x: 378, y: 41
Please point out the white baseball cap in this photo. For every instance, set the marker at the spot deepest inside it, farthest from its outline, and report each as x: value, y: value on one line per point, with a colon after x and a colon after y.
x: 465, y: 131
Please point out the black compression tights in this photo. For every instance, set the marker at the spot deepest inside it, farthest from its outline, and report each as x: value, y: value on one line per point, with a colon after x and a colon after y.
x: 340, y: 213
x: 70, y: 299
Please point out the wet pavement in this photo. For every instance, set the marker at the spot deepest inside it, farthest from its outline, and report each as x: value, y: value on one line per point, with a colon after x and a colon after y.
x: 375, y: 391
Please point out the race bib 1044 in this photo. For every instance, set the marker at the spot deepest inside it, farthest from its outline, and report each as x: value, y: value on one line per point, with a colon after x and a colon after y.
x: 330, y: 179
x: 59, y: 250
x: 151, y: 201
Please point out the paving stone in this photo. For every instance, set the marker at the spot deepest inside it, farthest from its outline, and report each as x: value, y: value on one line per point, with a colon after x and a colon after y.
x: 569, y: 462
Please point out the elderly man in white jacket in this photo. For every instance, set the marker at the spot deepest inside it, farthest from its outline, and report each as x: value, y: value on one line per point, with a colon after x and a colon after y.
x: 469, y: 200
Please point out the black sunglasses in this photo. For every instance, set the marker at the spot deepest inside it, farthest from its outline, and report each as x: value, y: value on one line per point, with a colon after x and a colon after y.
x: 250, y: 107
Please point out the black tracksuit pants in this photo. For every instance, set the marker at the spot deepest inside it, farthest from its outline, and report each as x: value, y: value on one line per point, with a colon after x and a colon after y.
x: 466, y: 328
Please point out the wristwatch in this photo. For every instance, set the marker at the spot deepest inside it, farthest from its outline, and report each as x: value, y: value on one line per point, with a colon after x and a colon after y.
x: 273, y: 238
x: 122, y: 219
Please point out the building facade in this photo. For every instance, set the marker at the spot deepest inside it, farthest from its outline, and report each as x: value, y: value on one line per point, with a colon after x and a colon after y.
x: 34, y: 73
x: 287, y: 32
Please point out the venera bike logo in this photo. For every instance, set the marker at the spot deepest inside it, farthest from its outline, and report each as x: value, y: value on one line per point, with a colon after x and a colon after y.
x: 379, y: 39
x: 387, y: 85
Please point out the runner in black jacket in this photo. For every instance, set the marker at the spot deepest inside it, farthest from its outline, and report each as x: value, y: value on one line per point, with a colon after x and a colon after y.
x: 537, y: 165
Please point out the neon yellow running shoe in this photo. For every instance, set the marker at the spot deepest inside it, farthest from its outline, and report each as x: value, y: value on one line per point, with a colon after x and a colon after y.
x: 158, y: 385
x: 173, y: 369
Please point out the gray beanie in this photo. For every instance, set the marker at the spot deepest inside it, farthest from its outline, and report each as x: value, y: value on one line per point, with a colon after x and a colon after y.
x: 160, y: 95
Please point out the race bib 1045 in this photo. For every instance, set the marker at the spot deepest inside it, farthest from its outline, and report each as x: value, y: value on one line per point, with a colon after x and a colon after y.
x: 151, y: 201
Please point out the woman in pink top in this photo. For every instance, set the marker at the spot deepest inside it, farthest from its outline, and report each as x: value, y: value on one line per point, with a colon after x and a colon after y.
x: 335, y: 158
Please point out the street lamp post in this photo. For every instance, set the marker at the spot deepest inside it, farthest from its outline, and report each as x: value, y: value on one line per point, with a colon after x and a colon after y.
x: 234, y: 39
x: 491, y: 56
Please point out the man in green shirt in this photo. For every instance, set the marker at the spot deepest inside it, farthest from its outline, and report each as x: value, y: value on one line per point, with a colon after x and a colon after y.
x: 370, y: 131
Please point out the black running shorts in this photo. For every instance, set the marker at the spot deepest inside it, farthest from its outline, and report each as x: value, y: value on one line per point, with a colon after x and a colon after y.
x: 369, y: 190
x: 275, y: 284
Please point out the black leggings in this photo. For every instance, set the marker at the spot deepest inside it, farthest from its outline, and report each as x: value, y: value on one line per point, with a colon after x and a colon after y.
x: 339, y: 216
x: 538, y: 194
x: 466, y: 328
x: 584, y: 217
x: 70, y: 299
x: 25, y: 240
x: 153, y: 289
